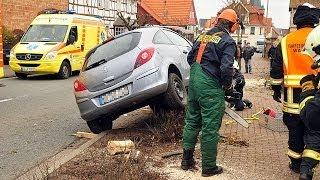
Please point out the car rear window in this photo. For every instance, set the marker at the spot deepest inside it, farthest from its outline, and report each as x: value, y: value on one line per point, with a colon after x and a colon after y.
x: 112, y: 49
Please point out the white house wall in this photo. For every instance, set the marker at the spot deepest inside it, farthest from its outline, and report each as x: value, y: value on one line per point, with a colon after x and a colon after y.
x: 251, y: 38
x: 106, y: 9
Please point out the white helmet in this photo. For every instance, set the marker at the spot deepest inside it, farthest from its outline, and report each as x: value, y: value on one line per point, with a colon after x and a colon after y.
x: 312, y: 41
x: 236, y: 65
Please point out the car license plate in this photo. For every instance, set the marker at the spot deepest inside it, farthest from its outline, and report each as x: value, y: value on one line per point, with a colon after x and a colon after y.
x: 114, y: 95
x: 28, y: 69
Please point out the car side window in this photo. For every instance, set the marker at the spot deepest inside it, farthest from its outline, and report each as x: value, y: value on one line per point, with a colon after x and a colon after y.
x: 74, y: 31
x: 176, y: 39
x: 161, y: 38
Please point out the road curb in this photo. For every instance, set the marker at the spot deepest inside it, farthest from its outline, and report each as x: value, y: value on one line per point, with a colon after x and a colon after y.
x: 45, y: 168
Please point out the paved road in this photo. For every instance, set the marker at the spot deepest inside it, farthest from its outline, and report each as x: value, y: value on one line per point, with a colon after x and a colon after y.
x: 37, y: 117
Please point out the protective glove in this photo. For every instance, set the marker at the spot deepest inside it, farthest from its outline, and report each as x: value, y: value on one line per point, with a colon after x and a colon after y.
x: 308, y: 86
x: 276, y: 93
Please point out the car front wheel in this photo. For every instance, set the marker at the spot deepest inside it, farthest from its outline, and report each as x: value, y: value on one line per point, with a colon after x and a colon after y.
x: 65, y: 70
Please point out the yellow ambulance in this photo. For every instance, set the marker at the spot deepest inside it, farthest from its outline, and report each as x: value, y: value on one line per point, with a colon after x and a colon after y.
x: 56, y: 44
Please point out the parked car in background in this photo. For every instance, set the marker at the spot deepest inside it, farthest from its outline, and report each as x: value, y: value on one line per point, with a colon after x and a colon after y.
x: 146, y: 66
x: 6, y: 55
x: 260, y: 45
x: 56, y: 44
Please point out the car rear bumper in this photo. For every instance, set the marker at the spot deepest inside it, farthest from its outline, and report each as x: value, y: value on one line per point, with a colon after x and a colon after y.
x: 141, y: 88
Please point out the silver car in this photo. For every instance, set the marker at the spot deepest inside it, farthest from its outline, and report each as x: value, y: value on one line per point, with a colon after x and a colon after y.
x: 147, y: 66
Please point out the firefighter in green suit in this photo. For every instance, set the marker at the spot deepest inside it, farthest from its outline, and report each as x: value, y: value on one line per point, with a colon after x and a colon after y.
x: 211, y: 60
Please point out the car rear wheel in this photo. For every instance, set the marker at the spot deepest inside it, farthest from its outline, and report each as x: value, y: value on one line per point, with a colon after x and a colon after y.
x: 21, y: 75
x: 176, y: 94
x: 99, y: 125
x: 65, y: 70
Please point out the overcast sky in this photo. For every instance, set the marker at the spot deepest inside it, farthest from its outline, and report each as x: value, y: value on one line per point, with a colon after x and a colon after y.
x: 278, y: 10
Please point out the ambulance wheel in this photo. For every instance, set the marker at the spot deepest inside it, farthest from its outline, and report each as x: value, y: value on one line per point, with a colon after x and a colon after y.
x: 65, y: 70
x: 21, y: 75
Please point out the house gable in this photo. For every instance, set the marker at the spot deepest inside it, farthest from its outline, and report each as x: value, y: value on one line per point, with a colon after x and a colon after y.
x: 171, y: 12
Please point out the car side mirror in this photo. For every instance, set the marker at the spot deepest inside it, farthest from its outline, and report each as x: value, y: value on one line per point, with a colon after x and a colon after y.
x: 71, y: 39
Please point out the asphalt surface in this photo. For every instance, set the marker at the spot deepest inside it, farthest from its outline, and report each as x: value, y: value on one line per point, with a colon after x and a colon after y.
x: 37, y: 118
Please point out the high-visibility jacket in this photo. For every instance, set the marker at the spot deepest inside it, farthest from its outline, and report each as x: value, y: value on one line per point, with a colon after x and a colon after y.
x: 296, y: 65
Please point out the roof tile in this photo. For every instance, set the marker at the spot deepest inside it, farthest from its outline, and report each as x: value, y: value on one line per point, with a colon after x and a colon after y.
x: 171, y: 12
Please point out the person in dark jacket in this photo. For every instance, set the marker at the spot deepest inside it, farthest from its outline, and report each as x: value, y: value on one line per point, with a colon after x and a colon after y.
x: 272, y: 53
x: 248, y: 52
x: 239, y: 54
x: 309, y: 113
x: 238, y: 103
x: 211, y: 60
x: 288, y: 67
x: 310, y: 109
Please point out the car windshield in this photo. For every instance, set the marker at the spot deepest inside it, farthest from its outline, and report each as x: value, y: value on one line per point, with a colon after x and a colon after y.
x: 112, y: 49
x: 45, y: 33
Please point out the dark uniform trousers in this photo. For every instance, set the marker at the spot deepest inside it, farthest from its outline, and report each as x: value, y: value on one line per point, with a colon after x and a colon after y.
x: 296, y: 133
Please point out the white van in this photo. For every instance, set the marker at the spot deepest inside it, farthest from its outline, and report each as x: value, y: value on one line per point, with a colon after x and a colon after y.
x: 260, y: 45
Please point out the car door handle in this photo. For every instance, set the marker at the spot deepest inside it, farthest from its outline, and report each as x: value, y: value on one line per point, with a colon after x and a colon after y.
x: 185, y: 52
x: 108, y: 79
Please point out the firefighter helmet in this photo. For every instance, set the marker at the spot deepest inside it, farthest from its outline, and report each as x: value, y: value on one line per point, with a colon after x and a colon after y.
x: 313, y: 40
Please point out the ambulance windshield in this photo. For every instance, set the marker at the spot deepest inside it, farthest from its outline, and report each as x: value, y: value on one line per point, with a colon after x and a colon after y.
x: 45, y: 33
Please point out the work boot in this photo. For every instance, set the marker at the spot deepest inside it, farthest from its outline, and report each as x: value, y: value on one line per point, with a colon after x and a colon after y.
x: 304, y: 176
x: 187, y: 159
x: 212, y: 171
x: 247, y: 103
x: 239, y: 105
x: 294, y: 167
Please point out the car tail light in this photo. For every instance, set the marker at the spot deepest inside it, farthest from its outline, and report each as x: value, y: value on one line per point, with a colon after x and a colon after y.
x: 144, y: 56
x: 79, y: 86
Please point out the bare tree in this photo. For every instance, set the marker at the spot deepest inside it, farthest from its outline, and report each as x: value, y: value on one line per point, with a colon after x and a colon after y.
x: 127, y: 21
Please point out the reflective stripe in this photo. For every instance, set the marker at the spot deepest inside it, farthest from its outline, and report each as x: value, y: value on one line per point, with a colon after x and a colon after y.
x: 200, y: 52
x: 294, y: 154
x: 292, y: 80
x: 290, y: 95
x: 284, y: 54
x: 291, y: 110
x: 276, y: 81
x: 311, y: 154
x: 291, y: 105
x: 303, y: 103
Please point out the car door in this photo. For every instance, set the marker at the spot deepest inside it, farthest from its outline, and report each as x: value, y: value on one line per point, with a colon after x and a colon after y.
x: 184, y: 48
x: 166, y: 48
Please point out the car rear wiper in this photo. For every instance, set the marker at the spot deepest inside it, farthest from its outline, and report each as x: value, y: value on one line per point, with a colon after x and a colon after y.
x: 102, y: 61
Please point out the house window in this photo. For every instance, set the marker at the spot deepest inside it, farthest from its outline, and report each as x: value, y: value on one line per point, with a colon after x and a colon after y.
x: 252, y: 30
x: 260, y: 30
x: 119, y: 30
